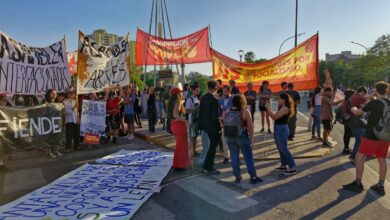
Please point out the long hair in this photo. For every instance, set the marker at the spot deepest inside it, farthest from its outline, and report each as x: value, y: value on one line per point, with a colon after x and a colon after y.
x: 288, y: 102
x: 47, y: 95
x: 239, y: 101
x: 171, y: 104
x: 313, y: 97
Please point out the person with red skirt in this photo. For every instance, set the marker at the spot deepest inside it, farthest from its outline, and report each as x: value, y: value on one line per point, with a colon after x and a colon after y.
x: 176, y: 110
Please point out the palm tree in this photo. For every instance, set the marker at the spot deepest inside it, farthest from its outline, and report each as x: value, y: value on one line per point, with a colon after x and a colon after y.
x: 249, y: 57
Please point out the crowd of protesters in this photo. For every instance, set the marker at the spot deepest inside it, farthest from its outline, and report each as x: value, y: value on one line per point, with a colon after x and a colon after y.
x: 223, y: 117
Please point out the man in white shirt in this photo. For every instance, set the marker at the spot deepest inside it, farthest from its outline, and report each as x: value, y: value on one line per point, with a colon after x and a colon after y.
x: 72, y: 124
x: 192, y: 107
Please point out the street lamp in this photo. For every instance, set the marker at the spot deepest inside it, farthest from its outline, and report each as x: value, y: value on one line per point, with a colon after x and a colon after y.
x: 365, y: 48
x: 240, y: 54
x: 289, y: 39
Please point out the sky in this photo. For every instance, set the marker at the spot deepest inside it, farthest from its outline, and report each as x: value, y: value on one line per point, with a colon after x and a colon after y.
x: 251, y: 25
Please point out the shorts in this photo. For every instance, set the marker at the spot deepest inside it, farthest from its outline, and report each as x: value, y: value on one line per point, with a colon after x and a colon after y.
x: 262, y: 108
x: 328, y: 125
x: 376, y: 148
x: 113, y: 122
x: 129, y: 118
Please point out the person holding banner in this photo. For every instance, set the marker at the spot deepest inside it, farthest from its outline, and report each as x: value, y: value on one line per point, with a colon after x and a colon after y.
x: 72, y: 124
x: 50, y: 97
x: 113, y: 111
x: 176, y: 110
x: 129, y: 113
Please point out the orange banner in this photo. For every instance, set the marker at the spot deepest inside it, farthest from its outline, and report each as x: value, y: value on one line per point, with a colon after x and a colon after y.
x: 72, y: 61
x: 298, y: 66
x: 152, y: 50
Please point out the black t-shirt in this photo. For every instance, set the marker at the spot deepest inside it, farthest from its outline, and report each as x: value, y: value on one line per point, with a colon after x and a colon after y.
x: 209, y: 113
x: 375, y: 108
x: 251, y: 102
x: 159, y: 93
x: 235, y: 90
x: 295, y: 96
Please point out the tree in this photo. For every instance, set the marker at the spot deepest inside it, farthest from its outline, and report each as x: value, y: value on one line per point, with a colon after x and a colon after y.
x: 249, y: 57
x: 200, y: 79
x: 381, y: 46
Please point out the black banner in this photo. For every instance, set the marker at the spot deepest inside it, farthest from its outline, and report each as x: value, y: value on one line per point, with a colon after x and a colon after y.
x: 28, y: 128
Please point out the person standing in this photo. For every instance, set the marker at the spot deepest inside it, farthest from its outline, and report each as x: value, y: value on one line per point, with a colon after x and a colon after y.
x: 113, y: 105
x: 210, y: 121
x: 238, y: 131
x: 345, y: 106
x: 292, y: 122
x: 225, y: 103
x: 234, y: 88
x: 371, y: 145
x: 3, y: 103
x: 167, y: 96
x: 50, y: 97
x: 250, y: 96
x: 327, y: 114
x: 159, y: 92
x: 181, y: 157
x: 129, y: 112
x: 192, y: 108
x: 151, y: 109
x: 316, y: 114
x: 281, y: 132
x: 265, y: 95
x: 137, y: 107
x: 72, y: 125
x: 219, y: 88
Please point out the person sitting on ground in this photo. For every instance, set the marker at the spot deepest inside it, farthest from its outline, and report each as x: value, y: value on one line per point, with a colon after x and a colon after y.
x: 281, y: 132
x: 238, y: 131
x: 371, y: 145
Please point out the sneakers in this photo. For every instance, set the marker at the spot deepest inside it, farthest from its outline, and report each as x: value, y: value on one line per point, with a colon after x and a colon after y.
x: 354, y: 187
x: 59, y: 154
x: 238, y: 179
x: 225, y: 161
x: 313, y: 138
x: 255, y: 180
x: 290, y: 172
x: 131, y: 137
x: 378, y: 189
x: 262, y: 130
x: 212, y: 172
x: 281, y: 169
x: 269, y: 131
x: 290, y: 139
x: 347, y: 151
x: 51, y: 155
x: 327, y: 144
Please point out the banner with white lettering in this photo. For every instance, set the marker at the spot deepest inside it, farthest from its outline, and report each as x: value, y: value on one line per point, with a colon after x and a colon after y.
x: 143, y: 157
x: 100, y: 67
x: 89, y: 192
x: 31, y: 127
x: 93, y: 118
x: 32, y: 70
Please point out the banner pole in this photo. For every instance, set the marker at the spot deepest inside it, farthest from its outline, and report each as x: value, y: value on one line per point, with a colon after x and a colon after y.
x: 318, y: 61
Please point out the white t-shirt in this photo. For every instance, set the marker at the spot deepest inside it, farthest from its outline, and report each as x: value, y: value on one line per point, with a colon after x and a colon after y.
x: 317, y: 100
x: 190, y: 104
x: 70, y: 114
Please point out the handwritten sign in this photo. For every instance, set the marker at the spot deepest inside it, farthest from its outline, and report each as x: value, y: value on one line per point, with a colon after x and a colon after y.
x: 144, y: 157
x: 88, y: 192
x: 93, y: 118
x: 31, y: 70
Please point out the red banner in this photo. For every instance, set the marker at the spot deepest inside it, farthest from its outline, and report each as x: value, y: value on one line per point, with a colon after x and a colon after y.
x: 152, y: 50
x: 72, y: 61
x: 298, y: 66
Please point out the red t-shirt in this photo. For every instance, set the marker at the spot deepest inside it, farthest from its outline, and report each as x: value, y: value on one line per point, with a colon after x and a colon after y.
x: 357, y: 101
x: 113, y: 104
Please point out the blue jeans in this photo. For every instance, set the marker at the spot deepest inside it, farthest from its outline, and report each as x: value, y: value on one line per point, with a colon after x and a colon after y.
x: 357, y: 134
x: 159, y: 108
x: 243, y: 143
x: 316, y: 121
x: 205, y: 146
x: 281, y: 135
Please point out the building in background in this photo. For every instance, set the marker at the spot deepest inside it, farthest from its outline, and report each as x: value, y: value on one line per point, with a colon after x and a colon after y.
x: 345, y: 56
x: 102, y: 37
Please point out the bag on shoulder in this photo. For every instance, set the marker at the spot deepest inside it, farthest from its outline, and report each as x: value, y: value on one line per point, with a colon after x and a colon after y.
x: 232, y: 124
x: 382, y: 130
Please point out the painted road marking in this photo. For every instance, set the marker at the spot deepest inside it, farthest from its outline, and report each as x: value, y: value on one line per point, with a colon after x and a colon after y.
x: 216, y: 194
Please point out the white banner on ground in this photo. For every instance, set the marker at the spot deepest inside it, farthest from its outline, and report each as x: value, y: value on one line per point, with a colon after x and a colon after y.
x: 100, y: 67
x: 32, y: 70
x: 143, y: 157
x: 93, y: 117
x: 89, y: 192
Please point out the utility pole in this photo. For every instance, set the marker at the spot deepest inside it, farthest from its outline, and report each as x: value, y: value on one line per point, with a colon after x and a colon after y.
x: 296, y: 23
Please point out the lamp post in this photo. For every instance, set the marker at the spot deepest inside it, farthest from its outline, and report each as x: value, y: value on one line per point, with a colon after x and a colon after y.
x: 296, y: 23
x: 289, y: 39
x: 240, y: 54
x: 365, y: 48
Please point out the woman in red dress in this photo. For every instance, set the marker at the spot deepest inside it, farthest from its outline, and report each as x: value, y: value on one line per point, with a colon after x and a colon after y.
x: 176, y: 109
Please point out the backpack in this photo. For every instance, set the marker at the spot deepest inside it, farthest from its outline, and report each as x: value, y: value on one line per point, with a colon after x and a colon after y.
x: 232, y: 124
x: 382, y: 130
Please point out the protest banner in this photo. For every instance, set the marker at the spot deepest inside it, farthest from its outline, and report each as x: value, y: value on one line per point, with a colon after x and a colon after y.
x: 339, y: 96
x: 72, y: 62
x: 144, y: 157
x: 31, y: 127
x: 89, y: 192
x: 298, y: 66
x: 93, y: 119
x: 100, y: 67
x: 153, y: 50
x: 32, y: 70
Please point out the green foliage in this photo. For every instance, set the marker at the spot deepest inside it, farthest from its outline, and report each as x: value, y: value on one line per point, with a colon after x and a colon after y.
x: 200, y: 79
x: 249, y: 57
